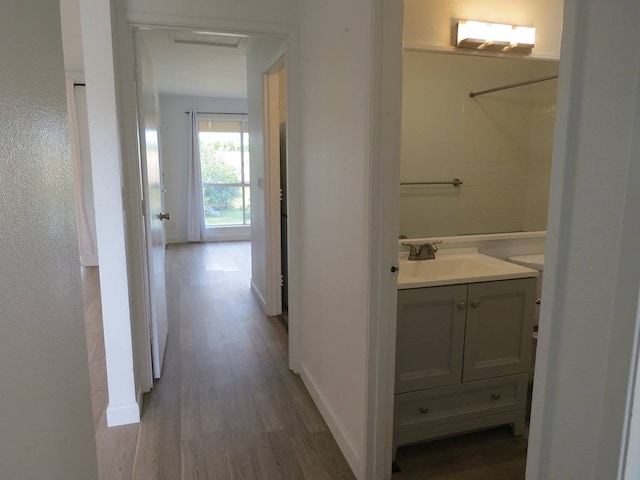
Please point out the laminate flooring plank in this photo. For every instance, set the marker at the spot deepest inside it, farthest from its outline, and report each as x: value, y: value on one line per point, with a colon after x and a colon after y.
x: 333, y: 460
x: 309, y: 458
x: 116, y: 447
x: 284, y: 456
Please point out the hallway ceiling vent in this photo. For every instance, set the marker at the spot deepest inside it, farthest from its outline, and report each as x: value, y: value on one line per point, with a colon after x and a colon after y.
x: 220, y: 40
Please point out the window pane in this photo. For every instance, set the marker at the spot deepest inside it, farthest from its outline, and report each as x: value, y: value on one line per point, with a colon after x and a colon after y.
x: 247, y: 203
x: 220, y: 156
x: 222, y: 205
x: 247, y: 176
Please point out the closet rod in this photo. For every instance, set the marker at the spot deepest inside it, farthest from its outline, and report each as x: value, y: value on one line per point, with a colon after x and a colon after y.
x: 513, y: 85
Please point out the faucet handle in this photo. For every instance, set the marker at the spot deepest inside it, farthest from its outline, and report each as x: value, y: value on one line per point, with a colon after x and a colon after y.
x: 433, y: 245
x: 414, y: 249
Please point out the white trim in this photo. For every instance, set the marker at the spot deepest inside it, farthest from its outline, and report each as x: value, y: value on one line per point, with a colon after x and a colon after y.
x: 271, y: 140
x: 124, y: 414
x: 227, y: 234
x: 384, y: 213
x: 260, y: 299
x: 294, y: 195
x: 345, y: 443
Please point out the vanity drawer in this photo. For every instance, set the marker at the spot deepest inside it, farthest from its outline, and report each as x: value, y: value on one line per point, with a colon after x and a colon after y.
x: 454, y: 403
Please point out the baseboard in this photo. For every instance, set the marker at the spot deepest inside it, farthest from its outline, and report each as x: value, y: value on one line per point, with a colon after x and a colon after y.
x: 344, y: 442
x: 176, y: 240
x: 123, y: 414
x: 227, y: 234
x: 259, y: 297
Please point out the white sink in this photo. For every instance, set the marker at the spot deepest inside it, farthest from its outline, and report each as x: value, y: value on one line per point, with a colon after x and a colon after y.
x: 453, y: 268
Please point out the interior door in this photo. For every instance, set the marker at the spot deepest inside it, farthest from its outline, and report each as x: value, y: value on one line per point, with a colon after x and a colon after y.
x: 152, y: 193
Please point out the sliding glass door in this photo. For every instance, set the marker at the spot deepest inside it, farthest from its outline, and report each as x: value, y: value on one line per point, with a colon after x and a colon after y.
x: 224, y: 160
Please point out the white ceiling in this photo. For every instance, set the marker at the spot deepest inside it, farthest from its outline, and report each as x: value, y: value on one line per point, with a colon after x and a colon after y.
x: 199, y: 70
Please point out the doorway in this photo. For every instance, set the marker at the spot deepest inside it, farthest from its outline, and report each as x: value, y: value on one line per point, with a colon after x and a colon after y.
x: 415, y: 11
x: 219, y: 93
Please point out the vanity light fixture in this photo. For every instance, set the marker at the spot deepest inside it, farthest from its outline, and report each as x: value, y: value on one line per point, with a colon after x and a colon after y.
x: 495, y: 36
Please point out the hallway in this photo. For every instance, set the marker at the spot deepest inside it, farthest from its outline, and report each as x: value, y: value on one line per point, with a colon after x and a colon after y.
x: 227, y: 405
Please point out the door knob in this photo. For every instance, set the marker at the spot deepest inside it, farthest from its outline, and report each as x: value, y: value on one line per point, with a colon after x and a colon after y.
x: 164, y: 216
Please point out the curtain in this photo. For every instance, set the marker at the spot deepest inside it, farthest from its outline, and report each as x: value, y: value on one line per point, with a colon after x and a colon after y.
x: 195, y: 207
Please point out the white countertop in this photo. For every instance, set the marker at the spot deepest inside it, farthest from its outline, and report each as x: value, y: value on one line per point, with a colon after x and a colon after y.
x: 458, y: 266
x: 535, y: 261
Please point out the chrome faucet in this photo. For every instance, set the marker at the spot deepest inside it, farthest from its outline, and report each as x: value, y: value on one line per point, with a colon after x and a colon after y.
x: 423, y: 251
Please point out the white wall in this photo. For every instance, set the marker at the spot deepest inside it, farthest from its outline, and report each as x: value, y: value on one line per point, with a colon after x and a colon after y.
x: 335, y: 76
x: 271, y: 11
x: 46, y: 427
x: 261, y: 53
x: 174, y: 145
x: 498, y: 144
x: 589, y: 319
x: 429, y: 24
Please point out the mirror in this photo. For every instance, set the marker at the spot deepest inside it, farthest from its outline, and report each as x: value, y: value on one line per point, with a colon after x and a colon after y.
x: 498, y: 144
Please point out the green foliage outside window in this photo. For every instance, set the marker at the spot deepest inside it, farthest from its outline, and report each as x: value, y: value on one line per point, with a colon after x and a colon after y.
x: 216, y: 170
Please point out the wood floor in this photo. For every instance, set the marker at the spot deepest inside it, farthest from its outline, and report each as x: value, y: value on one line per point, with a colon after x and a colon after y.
x: 115, y: 446
x: 227, y: 406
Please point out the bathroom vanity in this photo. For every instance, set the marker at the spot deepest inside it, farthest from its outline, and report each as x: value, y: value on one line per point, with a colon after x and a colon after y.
x: 463, y: 346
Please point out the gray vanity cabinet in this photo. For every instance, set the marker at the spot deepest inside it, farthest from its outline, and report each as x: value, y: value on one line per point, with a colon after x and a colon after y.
x: 430, y: 332
x: 462, y: 358
x: 499, y: 328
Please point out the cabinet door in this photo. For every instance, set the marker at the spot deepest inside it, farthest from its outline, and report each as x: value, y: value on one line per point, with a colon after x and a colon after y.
x: 430, y: 337
x: 499, y: 328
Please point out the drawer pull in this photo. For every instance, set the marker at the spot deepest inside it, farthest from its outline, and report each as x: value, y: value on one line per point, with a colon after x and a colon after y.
x: 424, y: 409
x: 462, y: 305
x: 496, y: 396
x: 475, y: 303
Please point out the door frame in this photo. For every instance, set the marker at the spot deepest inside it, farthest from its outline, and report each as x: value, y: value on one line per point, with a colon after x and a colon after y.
x: 272, y: 183
x: 386, y: 111
x: 127, y: 22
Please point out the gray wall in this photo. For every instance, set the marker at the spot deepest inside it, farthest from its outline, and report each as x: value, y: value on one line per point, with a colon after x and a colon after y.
x: 46, y: 428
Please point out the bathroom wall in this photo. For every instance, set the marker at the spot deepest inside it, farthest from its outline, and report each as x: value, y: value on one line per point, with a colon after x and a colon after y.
x: 498, y: 144
x: 174, y: 145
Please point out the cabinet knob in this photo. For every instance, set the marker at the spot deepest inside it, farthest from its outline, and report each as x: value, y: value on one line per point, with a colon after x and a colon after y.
x: 496, y: 396
x: 462, y: 305
x: 424, y: 409
x: 475, y: 303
